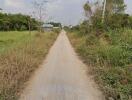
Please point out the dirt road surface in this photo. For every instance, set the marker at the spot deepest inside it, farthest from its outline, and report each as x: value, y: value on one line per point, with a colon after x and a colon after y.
x: 62, y: 76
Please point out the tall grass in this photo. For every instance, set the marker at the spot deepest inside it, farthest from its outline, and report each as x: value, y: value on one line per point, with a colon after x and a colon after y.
x: 18, y: 64
x: 110, y: 54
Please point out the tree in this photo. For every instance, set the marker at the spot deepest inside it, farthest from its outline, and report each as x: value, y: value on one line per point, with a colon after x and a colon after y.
x: 16, y: 22
x: 113, y: 15
x: 55, y: 24
x: 40, y: 12
x: 115, y: 6
x: 87, y: 9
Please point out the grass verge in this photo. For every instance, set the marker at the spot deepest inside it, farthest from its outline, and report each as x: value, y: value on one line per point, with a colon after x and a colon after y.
x: 110, y: 56
x: 18, y: 63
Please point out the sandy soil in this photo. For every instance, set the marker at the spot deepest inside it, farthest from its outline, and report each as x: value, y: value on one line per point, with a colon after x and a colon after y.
x: 62, y: 76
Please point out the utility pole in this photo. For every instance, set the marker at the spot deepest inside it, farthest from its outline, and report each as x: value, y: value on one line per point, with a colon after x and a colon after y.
x: 104, y: 9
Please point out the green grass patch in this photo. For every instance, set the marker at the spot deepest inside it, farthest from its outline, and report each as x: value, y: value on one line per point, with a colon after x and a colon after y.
x: 13, y: 38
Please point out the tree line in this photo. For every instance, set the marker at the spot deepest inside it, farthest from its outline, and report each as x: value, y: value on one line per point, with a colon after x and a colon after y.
x: 55, y: 24
x: 17, y: 22
x: 114, y: 16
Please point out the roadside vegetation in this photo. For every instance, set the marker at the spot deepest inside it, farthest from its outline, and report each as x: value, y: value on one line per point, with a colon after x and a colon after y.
x: 111, y: 61
x: 20, y: 54
x: 106, y: 46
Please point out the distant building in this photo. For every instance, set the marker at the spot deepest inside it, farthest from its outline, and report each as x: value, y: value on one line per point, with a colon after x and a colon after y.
x: 56, y: 27
x: 47, y: 27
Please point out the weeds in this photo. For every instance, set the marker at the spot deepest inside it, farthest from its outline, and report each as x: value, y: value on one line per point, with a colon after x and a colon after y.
x: 18, y: 64
x: 110, y: 56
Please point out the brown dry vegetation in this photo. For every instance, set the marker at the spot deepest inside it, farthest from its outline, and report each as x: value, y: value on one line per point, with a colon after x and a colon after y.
x: 18, y: 64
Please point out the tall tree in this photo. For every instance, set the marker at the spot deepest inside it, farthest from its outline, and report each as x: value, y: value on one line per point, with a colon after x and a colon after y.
x: 115, y: 6
x: 87, y: 9
x: 40, y: 11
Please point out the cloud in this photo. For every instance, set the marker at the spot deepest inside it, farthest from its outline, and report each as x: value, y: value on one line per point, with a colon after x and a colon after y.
x: 66, y: 11
x: 14, y: 3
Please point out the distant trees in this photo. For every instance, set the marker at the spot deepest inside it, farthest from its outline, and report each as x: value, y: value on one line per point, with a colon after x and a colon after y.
x: 16, y: 22
x: 55, y: 24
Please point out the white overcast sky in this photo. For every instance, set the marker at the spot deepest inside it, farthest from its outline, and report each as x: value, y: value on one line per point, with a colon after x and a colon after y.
x: 64, y: 11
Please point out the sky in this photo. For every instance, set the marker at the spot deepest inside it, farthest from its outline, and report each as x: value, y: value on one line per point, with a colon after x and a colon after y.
x: 68, y: 12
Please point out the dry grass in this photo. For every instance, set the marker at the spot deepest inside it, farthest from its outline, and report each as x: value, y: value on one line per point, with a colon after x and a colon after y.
x: 17, y: 65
